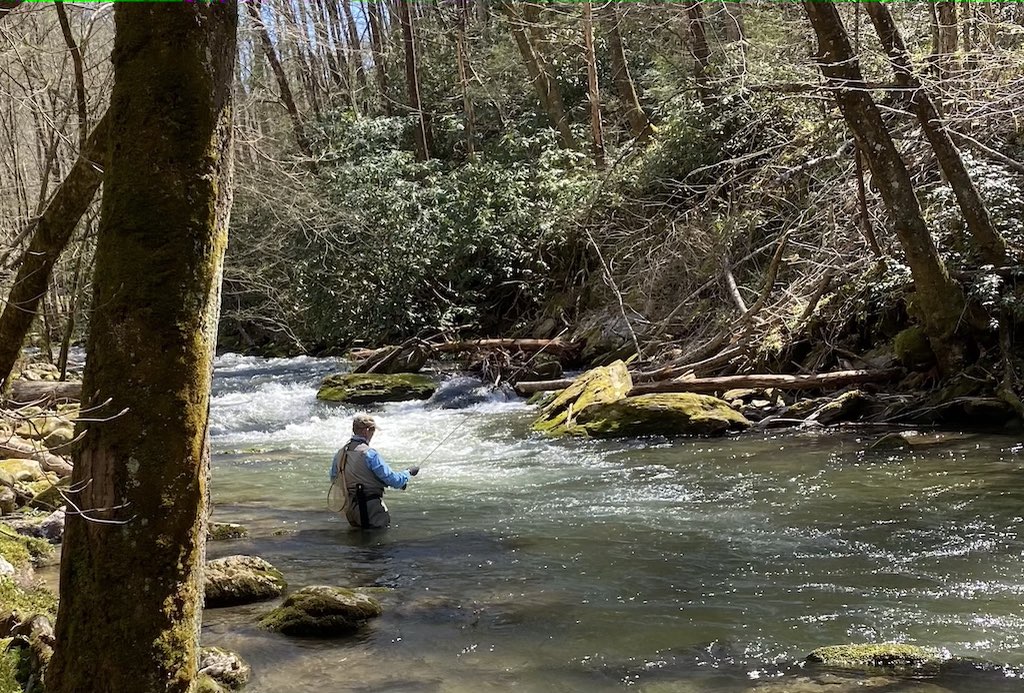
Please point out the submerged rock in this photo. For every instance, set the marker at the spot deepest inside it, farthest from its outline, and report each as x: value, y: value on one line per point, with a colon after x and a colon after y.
x: 237, y: 580
x: 682, y: 413
x: 464, y: 391
x: 322, y: 610
x: 874, y: 655
x: 366, y: 388
x: 602, y: 385
x: 222, y: 531
x: 226, y: 669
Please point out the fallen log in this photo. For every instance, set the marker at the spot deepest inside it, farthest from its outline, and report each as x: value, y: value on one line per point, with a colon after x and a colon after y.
x: 822, y: 381
x: 25, y: 391
x: 553, y: 346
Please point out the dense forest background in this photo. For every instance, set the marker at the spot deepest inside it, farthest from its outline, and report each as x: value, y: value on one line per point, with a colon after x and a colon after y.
x: 668, y: 178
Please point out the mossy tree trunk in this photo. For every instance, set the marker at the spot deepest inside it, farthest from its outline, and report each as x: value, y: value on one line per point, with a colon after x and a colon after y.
x: 131, y: 571
x: 986, y: 238
x: 639, y: 123
x: 940, y: 300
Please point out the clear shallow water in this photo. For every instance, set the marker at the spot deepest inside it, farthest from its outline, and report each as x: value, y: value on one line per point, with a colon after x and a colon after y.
x: 520, y: 563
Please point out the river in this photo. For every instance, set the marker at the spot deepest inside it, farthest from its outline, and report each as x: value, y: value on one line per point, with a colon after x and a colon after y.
x: 520, y: 563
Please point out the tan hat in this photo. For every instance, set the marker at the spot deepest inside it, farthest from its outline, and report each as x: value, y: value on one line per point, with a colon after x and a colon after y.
x: 361, y: 422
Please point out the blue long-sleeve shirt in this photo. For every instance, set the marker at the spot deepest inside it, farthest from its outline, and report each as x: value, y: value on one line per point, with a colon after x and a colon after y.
x: 378, y: 466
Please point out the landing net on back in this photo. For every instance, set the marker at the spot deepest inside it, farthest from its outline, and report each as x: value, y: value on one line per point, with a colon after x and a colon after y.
x: 337, y: 497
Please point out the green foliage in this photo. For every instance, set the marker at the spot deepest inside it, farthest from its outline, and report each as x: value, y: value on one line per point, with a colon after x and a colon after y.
x: 431, y: 245
x: 10, y: 668
x: 20, y: 550
x: 27, y: 602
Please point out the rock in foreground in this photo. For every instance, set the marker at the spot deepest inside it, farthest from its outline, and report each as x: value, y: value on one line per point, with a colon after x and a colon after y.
x: 322, y: 610
x: 241, y: 580
x: 889, y: 655
x: 603, y: 385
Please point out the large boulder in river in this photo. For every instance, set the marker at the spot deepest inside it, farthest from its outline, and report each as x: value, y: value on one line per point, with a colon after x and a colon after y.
x: 676, y: 413
x: 241, y: 580
x: 322, y: 610
x: 366, y: 388
x: 602, y: 385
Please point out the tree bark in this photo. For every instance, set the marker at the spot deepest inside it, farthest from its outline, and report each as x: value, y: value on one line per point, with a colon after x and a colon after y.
x: 132, y: 565
x: 543, y: 81
x: 639, y: 124
x: 699, y: 49
x: 76, y: 61
x: 987, y: 239
x: 467, y: 102
x: 377, y: 45
x: 282, y: 79
x: 53, y: 230
x: 355, y: 45
x: 940, y: 301
x: 412, y: 82
x: 593, y: 89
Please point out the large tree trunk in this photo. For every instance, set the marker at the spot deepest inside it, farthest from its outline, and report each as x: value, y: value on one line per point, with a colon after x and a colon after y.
x: 939, y: 300
x: 282, y: 78
x: 639, y: 123
x: 541, y: 77
x: 53, y: 230
x: 412, y: 81
x: 987, y: 239
x: 131, y: 587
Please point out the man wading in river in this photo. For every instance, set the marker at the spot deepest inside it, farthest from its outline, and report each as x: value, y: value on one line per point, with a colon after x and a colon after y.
x: 361, y: 475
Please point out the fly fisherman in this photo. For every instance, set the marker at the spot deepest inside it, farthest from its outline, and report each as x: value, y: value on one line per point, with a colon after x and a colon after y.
x: 363, y: 476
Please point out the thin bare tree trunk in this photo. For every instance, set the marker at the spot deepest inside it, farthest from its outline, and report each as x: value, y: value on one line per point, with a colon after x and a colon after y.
x: 412, y: 79
x: 986, y: 238
x: 939, y: 300
x: 282, y: 79
x: 52, y: 232
x: 355, y: 45
x: 377, y: 45
x: 76, y: 59
x: 639, y: 124
x: 593, y: 90
x: 540, y: 75
x: 699, y: 49
x: 467, y: 101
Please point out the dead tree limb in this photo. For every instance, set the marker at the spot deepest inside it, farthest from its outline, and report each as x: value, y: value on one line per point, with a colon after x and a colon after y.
x: 822, y: 381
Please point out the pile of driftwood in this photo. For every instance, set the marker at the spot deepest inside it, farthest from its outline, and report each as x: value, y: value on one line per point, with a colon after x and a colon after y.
x: 495, y: 360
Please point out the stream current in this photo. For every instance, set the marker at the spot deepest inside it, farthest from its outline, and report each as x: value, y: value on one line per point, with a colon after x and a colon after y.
x: 516, y: 562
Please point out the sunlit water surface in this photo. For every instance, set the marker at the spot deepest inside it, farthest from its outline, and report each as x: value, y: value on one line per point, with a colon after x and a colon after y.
x: 521, y: 563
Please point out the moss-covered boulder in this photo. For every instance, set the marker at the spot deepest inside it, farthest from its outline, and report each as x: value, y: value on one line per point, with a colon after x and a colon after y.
x: 223, y: 531
x: 912, y: 348
x: 22, y: 551
x: 366, y: 388
x: 875, y: 655
x: 602, y: 385
x: 677, y: 413
x: 51, y: 497
x: 18, y: 604
x: 322, y: 610
x: 241, y: 580
x: 845, y: 407
x: 226, y: 669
